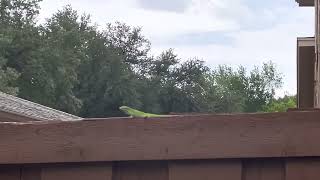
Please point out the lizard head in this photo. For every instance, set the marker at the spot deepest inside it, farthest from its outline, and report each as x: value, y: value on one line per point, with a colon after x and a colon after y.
x: 124, y: 108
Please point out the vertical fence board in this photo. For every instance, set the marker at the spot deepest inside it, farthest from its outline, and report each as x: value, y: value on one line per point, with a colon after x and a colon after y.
x: 9, y: 173
x: 303, y: 169
x: 77, y: 172
x: 31, y: 173
x: 205, y: 170
x: 317, y: 61
x: 263, y: 169
x: 140, y: 170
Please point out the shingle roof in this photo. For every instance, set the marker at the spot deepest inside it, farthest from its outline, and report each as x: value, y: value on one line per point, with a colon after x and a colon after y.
x: 15, y: 105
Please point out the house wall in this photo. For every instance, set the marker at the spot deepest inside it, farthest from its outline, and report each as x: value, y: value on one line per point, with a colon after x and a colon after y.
x: 305, y: 72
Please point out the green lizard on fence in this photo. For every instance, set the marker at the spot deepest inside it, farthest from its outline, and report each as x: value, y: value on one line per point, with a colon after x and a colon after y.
x: 139, y: 114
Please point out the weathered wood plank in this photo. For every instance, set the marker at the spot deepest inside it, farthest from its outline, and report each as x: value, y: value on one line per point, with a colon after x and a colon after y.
x: 303, y: 168
x: 77, y: 172
x: 10, y: 172
x: 205, y: 170
x: 263, y: 169
x: 140, y: 171
x: 302, y: 109
x: 289, y: 134
x: 317, y: 56
x: 31, y: 173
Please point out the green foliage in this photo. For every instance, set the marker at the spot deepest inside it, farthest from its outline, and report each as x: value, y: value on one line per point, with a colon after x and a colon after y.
x: 281, y: 104
x: 8, y: 76
x: 16, y: 21
x: 50, y: 74
x: 18, y: 13
x: 229, y: 87
x: 106, y: 81
x: 238, y: 91
x: 69, y: 64
x: 132, y: 45
x: 262, y: 86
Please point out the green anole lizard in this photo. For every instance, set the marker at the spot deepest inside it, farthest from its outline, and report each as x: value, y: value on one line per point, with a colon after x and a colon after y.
x: 139, y: 114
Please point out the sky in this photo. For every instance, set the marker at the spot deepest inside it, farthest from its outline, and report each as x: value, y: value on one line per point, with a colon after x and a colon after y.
x: 232, y: 32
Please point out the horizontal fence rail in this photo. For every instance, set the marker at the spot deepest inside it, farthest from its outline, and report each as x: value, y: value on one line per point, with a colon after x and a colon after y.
x: 272, y: 146
x: 291, y: 134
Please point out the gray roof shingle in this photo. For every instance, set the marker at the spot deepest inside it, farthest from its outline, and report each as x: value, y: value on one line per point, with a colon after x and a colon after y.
x: 15, y: 105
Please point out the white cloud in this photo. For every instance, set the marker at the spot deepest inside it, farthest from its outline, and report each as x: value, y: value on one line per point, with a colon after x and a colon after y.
x: 165, y: 5
x: 260, y: 33
x: 277, y: 44
x: 156, y: 24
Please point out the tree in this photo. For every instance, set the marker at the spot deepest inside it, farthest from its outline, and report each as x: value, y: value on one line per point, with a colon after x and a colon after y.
x: 239, y: 91
x: 261, y: 87
x: 156, y: 82
x: 51, y: 74
x: 17, y: 23
x: 16, y: 28
x: 179, y: 85
x: 134, y: 47
x: 18, y: 13
x: 228, y: 89
x: 106, y: 81
x: 190, y: 83
x: 69, y: 64
x: 172, y: 86
x: 8, y: 76
x: 281, y: 104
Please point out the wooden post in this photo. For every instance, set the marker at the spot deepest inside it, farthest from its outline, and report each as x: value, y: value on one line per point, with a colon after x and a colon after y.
x: 305, y: 72
x: 317, y: 49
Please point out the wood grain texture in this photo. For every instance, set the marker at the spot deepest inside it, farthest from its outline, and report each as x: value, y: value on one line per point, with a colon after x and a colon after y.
x: 150, y: 170
x: 10, y: 172
x: 263, y: 169
x: 205, y: 170
x: 302, y: 109
x: 77, y: 172
x: 303, y: 169
x: 317, y: 56
x: 31, y: 173
x: 289, y: 134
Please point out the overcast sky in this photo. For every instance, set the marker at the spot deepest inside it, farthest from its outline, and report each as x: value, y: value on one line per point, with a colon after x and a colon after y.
x: 233, y: 32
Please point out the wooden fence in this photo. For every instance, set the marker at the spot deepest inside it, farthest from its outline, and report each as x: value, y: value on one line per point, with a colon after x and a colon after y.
x: 276, y: 146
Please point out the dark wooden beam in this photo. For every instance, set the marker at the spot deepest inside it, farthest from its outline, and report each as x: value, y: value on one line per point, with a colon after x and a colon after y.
x: 291, y: 134
x: 305, y: 2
